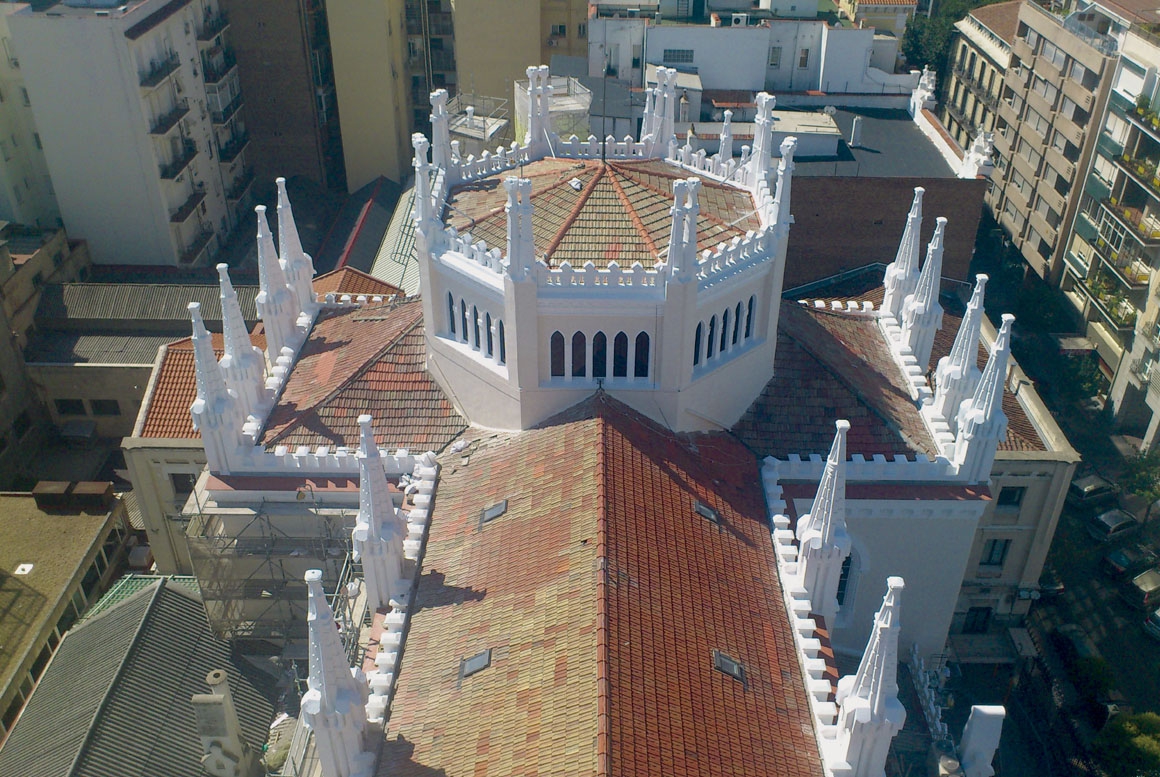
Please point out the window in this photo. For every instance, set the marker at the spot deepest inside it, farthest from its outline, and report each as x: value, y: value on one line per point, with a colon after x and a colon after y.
x: 70, y: 407
x: 557, y: 355
x: 749, y: 318
x: 487, y: 329
x: 620, y: 356
x: 559, y: 30
x: 844, y: 579
x: 1044, y: 89
x: 475, y: 326
x: 1104, y: 170
x: 775, y: 57
x: 502, y: 344
x: 678, y: 56
x: 1038, y: 124
x: 803, y: 59
x: 994, y: 553
x: 491, y: 512
x: 1047, y: 212
x: 1030, y: 154
x: 582, y: 30
x: 579, y: 355
x: 451, y: 312
x: 477, y: 663
x: 463, y: 318
x: 641, y: 366
x: 729, y: 666
x: 736, y: 323
x: 724, y: 330
x: 182, y: 483
x: 599, y: 355
x: 706, y: 512
x: 697, y: 345
x: 712, y: 336
x: 105, y: 407
x: 1010, y: 496
x: 1053, y: 54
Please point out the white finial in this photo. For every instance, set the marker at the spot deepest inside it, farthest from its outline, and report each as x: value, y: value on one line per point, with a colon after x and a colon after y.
x: 334, y: 705
x: 213, y: 412
x: 782, y: 200
x: 379, y: 530
x: 242, y: 365
x: 440, y: 129
x: 274, y: 299
x: 682, y: 254
x: 521, y: 249
x: 823, y: 543
x: 958, y: 373
x: 982, y: 424
x: 921, y: 312
x: 298, y: 265
x: 902, y: 274
x: 726, y: 150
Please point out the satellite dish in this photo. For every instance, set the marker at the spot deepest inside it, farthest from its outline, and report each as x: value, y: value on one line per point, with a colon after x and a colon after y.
x: 829, y: 110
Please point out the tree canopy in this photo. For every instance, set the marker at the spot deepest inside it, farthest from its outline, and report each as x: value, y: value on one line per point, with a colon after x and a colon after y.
x: 927, y: 40
x: 1130, y: 745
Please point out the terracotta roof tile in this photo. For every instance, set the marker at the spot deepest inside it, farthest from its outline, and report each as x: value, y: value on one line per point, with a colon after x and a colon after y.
x: 349, y: 280
x: 618, y: 211
x: 1000, y: 18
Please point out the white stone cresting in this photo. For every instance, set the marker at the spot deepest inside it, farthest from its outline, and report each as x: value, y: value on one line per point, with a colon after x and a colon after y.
x: 921, y: 312
x: 923, y: 96
x: 977, y: 159
x: 902, y: 274
x: 296, y: 263
x: 334, y: 707
x: 958, y: 373
x: 823, y: 543
x: 869, y: 712
x: 379, y: 531
x: 982, y: 424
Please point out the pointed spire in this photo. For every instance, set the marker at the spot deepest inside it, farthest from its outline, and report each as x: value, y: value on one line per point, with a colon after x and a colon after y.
x: 242, y: 365
x: 213, y: 411
x: 921, y: 312
x: 334, y: 704
x: 274, y: 296
x: 869, y: 712
x: 782, y: 202
x: 726, y: 150
x: 958, y: 373
x: 823, y: 541
x: 379, y: 530
x: 982, y: 424
x: 661, y: 121
x: 211, y: 385
x: 902, y: 274
x: 297, y: 263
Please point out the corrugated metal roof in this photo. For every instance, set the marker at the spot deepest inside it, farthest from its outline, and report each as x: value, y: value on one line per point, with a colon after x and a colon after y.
x: 135, y: 302
x: 115, y: 700
x: 55, y: 347
x: 396, y: 262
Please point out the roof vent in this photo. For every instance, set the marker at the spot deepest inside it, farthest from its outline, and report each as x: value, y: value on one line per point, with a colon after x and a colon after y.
x: 576, y: 184
x: 730, y: 666
x: 23, y: 569
x: 494, y: 511
x: 477, y: 663
x: 706, y: 512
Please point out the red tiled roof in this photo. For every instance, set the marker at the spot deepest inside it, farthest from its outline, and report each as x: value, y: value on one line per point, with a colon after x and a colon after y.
x: 619, y: 211
x: 828, y: 366
x: 602, y: 647
x: 1000, y: 18
x: 365, y: 359
x: 352, y: 281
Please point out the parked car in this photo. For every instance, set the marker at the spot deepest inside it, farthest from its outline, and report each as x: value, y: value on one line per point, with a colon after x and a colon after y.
x: 1152, y: 625
x: 1050, y: 583
x: 1143, y: 590
x: 1128, y: 561
x: 1112, y: 525
x: 1091, y: 491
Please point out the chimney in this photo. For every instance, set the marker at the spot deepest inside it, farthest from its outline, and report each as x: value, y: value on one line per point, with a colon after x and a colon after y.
x: 225, y: 750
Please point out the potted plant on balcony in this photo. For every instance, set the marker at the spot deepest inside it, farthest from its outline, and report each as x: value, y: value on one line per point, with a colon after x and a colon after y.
x: 1142, y: 104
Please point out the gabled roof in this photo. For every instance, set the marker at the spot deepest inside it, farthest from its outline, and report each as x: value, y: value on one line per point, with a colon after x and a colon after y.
x: 115, y: 699
x: 602, y: 595
x: 1000, y: 18
x: 352, y: 281
x: 364, y: 359
x: 601, y: 211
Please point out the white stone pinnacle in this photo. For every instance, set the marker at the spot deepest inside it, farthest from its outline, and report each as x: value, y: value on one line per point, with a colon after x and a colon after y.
x: 242, y: 365
x: 982, y: 424
x: 521, y: 249
x: 902, y: 274
x: 823, y: 543
x: 921, y: 312
x: 958, y: 373
x: 211, y: 385
x: 274, y: 296
x: 298, y: 265
x: 726, y: 148
x: 379, y: 530
x: 782, y: 200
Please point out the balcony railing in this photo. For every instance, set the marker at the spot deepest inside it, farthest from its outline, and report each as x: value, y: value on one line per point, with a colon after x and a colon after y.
x: 241, y: 185
x: 1129, y: 271
x: 187, y: 209
x: 175, y: 168
x: 166, y: 123
x: 159, y: 71
x: 226, y: 113
x: 229, y: 152
x: 1112, y: 306
x: 1145, y: 228
x: 195, y: 250
x: 216, y: 71
x: 212, y: 26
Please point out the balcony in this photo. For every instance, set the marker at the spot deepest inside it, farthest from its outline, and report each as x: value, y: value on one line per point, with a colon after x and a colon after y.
x: 212, y: 27
x: 1129, y: 271
x: 218, y: 67
x: 230, y: 151
x: 226, y: 113
x: 197, y: 248
x: 170, y: 171
x: 1145, y: 228
x: 241, y: 185
x: 1142, y: 171
x: 1078, y: 94
x: 159, y: 71
x: 165, y: 124
x: 1075, y: 263
x: 188, y: 208
x: 1110, y: 303
x: 1024, y: 52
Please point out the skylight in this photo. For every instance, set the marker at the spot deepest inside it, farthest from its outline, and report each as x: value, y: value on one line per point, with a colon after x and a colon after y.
x: 730, y: 666
x: 477, y: 663
x: 706, y: 512
x: 493, y: 512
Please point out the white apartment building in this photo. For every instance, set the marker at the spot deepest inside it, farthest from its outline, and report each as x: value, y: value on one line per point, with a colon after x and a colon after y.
x: 139, y: 109
x: 26, y: 194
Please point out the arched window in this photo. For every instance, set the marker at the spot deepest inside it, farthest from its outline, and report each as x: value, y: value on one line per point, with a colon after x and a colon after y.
x: 724, y: 330
x: 712, y: 336
x: 475, y: 325
x: 599, y: 355
x: 463, y: 316
x: 502, y: 344
x: 579, y: 355
x: 749, y: 318
x: 451, y: 312
x: 487, y: 329
x: 641, y: 366
x: 620, y: 355
x: 557, y: 355
x: 737, y: 323
x: 697, y: 346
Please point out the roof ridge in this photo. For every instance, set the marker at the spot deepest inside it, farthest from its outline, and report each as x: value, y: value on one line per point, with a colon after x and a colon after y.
x: 603, y: 684
x: 575, y: 214
x: 634, y: 216
x: 353, y: 377
x: 84, y: 743
x: 475, y: 220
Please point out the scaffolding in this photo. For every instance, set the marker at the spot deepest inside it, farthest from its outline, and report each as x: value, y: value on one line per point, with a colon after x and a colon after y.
x: 479, y: 123
x: 250, y: 565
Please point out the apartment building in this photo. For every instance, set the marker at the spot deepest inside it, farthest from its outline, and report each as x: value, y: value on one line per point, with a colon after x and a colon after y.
x: 1053, y: 93
x: 139, y: 107
x: 1110, y: 272
x: 982, y: 52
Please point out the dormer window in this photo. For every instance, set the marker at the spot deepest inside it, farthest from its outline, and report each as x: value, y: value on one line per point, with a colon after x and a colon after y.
x: 730, y: 666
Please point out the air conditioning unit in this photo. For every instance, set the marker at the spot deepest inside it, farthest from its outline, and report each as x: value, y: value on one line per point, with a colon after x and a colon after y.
x: 740, y: 20
x: 553, y: 43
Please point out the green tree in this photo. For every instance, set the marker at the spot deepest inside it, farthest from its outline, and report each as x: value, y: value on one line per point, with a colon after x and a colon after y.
x: 1130, y: 745
x: 1141, y: 476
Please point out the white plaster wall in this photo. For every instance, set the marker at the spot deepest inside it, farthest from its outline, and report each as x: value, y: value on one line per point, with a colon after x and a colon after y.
x: 612, y: 40
x: 150, y: 462
x: 792, y: 37
x: 725, y: 57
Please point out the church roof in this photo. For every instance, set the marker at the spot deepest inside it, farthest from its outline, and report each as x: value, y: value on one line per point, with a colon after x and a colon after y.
x: 352, y: 281
x: 602, y: 651
x: 600, y: 212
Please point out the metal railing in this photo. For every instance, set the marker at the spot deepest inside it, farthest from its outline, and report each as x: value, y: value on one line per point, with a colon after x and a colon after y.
x: 212, y: 26
x: 229, y: 152
x: 226, y: 113
x: 174, y: 168
x: 159, y: 71
x: 165, y: 123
